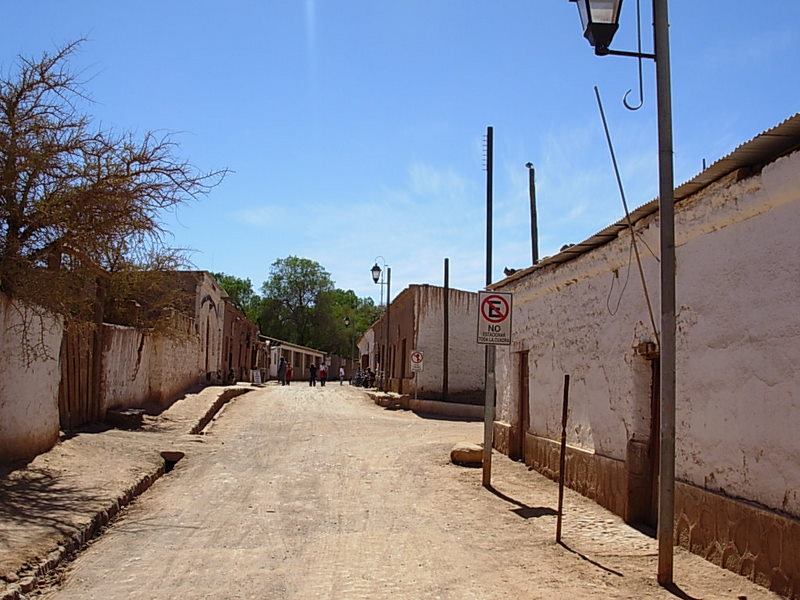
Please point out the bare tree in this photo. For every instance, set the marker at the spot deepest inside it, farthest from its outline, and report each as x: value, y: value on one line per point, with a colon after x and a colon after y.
x: 75, y: 203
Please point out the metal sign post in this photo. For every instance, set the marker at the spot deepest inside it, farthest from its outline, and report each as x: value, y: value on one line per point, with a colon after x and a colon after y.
x: 494, y: 327
x: 417, y: 366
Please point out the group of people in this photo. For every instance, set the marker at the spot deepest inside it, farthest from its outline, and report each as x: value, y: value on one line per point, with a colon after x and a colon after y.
x: 315, y: 372
x: 284, y: 372
x: 365, y: 378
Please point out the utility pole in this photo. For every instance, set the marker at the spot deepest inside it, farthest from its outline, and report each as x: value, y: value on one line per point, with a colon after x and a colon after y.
x: 666, y: 218
x: 446, y: 344
x: 488, y: 406
x: 534, y: 219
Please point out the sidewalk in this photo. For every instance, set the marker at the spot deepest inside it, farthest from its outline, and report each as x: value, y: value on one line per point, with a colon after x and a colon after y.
x: 62, y: 498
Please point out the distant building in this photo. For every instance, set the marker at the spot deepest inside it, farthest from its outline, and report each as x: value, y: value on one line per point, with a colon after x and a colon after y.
x: 239, y: 344
x: 300, y: 357
x: 417, y: 322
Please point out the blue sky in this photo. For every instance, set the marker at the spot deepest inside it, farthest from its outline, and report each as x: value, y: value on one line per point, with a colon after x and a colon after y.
x: 354, y: 128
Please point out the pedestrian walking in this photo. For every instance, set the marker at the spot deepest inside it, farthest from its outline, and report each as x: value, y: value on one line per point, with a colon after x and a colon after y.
x: 370, y: 378
x: 288, y: 373
x: 341, y: 375
x: 312, y: 374
x: 323, y: 374
x: 282, y: 371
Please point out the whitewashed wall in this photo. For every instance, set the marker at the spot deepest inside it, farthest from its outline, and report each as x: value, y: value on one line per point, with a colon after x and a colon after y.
x: 28, y: 389
x: 145, y: 370
x: 562, y: 317
x: 126, y: 367
x: 465, y: 356
x: 174, y: 367
x: 738, y: 340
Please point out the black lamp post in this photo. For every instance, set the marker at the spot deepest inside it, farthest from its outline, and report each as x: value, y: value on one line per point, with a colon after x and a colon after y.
x: 353, y: 342
x: 600, y: 20
x: 377, y: 273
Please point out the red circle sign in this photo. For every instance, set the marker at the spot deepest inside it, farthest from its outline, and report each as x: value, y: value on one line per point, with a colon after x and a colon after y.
x: 416, y: 357
x: 495, y: 309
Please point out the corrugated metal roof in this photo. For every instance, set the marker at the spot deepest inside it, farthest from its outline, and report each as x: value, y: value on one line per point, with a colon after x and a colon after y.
x: 761, y: 150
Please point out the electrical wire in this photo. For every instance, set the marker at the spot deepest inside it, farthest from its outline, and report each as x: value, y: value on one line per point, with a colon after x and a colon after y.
x: 614, y: 277
x: 627, y: 217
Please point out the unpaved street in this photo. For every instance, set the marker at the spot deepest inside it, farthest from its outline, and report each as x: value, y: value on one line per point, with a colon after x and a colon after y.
x: 300, y: 492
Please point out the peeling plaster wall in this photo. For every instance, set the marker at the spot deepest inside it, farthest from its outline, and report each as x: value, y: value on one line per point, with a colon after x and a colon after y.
x: 142, y: 370
x: 572, y: 320
x: 738, y: 340
x: 126, y: 362
x: 28, y: 390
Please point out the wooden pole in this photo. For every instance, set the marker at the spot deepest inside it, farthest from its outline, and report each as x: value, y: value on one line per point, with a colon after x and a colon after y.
x: 562, y: 461
x: 446, y: 344
x: 534, y: 219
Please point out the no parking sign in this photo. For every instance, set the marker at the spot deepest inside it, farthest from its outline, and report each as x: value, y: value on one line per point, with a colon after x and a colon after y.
x: 494, y: 318
x: 417, y: 361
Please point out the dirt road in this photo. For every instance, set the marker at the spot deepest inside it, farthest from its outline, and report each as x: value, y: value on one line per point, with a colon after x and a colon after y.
x: 300, y: 492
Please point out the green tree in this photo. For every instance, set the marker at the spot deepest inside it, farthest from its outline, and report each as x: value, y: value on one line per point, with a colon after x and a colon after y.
x: 292, y: 293
x: 334, y: 309
x: 241, y: 294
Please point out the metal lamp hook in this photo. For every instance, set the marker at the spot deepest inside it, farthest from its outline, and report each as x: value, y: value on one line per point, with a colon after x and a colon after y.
x: 639, y: 49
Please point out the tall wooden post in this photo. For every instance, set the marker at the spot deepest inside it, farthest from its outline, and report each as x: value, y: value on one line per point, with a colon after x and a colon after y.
x: 446, y: 341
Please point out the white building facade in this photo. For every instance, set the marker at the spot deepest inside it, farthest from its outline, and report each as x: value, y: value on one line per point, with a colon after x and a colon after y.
x: 584, y: 313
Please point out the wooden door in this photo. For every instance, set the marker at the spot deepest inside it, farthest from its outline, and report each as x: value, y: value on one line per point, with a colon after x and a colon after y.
x: 75, y: 394
x: 523, y: 404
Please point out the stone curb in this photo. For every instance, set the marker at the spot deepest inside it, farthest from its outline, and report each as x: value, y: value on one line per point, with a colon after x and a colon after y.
x: 221, y: 401
x: 29, y: 578
x: 434, y: 407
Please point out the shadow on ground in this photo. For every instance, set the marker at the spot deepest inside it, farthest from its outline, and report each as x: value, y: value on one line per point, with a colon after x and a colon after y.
x: 36, y: 497
x: 523, y: 510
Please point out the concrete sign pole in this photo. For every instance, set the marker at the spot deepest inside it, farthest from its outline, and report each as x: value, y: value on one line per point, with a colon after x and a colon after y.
x: 666, y: 208
x: 488, y: 404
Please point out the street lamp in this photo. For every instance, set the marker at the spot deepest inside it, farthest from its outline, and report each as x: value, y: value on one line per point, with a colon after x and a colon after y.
x: 377, y: 273
x: 353, y: 342
x: 600, y: 19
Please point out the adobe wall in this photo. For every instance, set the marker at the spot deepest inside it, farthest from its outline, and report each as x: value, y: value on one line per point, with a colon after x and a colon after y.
x: 209, y: 322
x: 126, y: 360
x: 28, y: 388
x: 738, y: 362
x: 174, y: 366
x: 738, y: 356
x: 465, y: 356
x: 141, y: 370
